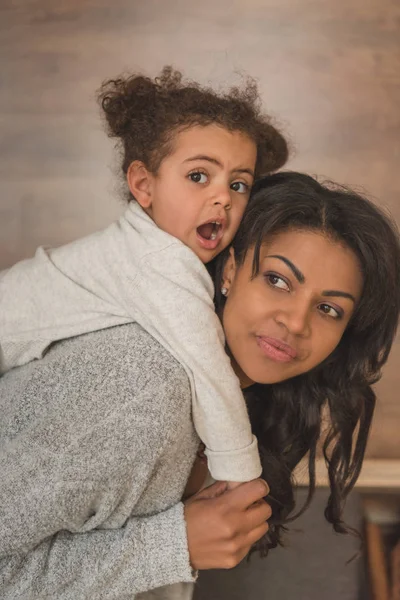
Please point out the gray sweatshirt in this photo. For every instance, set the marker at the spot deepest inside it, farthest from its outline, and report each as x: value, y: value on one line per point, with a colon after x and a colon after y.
x: 96, y: 445
x: 134, y: 271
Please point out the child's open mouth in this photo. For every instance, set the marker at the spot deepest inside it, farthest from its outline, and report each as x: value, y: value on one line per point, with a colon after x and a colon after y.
x: 210, y: 234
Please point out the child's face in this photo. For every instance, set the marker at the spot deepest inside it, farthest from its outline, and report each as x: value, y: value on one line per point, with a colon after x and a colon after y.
x: 206, y: 179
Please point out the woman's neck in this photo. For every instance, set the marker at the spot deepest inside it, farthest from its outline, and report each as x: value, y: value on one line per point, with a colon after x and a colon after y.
x: 244, y: 380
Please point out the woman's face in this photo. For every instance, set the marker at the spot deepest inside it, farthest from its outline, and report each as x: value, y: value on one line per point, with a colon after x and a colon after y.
x: 292, y: 315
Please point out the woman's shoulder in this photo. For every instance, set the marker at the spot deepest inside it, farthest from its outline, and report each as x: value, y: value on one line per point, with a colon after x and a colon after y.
x: 126, y: 353
x: 119, y: 366
x: 122, y: 346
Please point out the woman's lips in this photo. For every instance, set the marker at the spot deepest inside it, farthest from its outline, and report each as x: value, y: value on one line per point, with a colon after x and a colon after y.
x: 276, y: 349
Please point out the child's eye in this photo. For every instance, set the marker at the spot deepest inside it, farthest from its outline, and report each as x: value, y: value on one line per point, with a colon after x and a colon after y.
x: 276, y: 281
x: 240, y: 186
x: 198, y: 177
x: 329, y: 311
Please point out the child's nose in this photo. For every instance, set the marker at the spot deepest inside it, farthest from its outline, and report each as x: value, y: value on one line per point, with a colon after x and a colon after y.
x: 223, y: 198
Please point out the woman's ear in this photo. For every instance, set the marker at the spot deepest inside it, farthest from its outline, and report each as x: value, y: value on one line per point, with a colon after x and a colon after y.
x: 139, y: 181
x: 228, y: 274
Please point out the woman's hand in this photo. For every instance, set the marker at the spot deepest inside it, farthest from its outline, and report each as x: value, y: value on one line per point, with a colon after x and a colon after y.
x: 222, y: 524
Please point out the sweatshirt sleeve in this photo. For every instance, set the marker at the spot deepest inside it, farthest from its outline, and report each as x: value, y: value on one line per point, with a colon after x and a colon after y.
x: 175, y: 305
x: 63, y: 478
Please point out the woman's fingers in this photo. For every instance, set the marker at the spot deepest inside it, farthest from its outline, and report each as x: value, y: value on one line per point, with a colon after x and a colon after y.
x: 222, y: 528
x: 248, y: 493
x: 256, y: 534
x: 212, y: 491
x: 257, y: 514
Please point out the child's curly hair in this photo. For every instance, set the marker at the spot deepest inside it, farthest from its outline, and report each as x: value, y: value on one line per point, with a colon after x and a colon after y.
x: 145, y: 114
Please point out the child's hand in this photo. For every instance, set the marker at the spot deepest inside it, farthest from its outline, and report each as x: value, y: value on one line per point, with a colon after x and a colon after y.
x: 231, y: 485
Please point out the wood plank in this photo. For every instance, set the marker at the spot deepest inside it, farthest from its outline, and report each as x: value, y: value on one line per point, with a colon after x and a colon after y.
x: 377, y: 567
x: 54, y: 211
x: 376, y: 474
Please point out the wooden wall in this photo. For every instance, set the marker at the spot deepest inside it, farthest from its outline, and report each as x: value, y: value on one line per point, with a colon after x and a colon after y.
x: 329, y: 71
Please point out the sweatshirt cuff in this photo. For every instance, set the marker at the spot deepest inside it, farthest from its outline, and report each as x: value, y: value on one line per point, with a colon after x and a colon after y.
x: 167, y: 554
x: 235, y: 465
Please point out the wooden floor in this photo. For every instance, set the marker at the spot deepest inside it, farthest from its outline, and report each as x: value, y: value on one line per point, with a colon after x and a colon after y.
x: 328, y: 71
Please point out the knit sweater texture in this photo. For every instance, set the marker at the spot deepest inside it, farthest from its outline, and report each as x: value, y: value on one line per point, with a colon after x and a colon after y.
x: 96, y: 445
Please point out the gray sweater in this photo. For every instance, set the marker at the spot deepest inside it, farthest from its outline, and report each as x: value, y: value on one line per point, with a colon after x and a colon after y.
x: 96, y: 446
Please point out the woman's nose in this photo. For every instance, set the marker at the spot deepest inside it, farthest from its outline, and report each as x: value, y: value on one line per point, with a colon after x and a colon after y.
x: 296, y: 318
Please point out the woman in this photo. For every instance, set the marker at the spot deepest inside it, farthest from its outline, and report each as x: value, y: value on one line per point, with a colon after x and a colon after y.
x: 336, y: 363
x: 97, y: 438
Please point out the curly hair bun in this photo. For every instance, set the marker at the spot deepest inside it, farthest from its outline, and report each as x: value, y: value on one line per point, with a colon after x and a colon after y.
x: 124, y: 99
x: 144, y: 113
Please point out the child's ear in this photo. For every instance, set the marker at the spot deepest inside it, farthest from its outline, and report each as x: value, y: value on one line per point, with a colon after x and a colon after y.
x: 140, y: 183
x: 229, y: 272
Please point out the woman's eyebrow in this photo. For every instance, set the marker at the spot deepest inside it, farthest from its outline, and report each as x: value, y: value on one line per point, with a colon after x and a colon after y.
x: 296, y: 272
x: 338, y: 293
x: 301, y: 279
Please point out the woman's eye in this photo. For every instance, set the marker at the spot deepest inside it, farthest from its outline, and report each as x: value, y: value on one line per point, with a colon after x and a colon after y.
x: 277, y: 282
x: 198, y: 177
x: 330, y: 311
x: 240, y: 186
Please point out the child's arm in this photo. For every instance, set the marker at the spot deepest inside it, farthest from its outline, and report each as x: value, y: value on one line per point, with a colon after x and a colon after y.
x: 174, y: 304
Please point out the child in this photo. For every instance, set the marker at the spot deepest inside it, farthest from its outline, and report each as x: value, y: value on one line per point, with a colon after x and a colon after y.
x: 189, y: 156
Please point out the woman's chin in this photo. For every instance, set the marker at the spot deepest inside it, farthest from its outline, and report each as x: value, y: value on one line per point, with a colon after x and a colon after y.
x: 265, y: 376
x: 262, y: 372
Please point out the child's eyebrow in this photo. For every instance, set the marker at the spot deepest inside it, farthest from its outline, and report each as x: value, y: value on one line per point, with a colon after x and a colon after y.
x: 215, y: 161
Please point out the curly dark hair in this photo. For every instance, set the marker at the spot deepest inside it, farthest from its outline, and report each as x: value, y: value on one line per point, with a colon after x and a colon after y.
x: 286, y: 416
x: 145, y: 114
